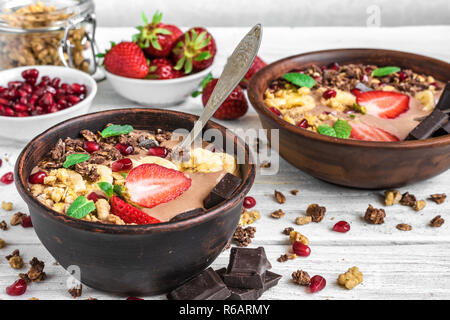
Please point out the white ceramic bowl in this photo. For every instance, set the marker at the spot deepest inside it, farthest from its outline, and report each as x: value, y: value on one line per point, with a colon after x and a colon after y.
x: 157, y: 93
x: 26, y: 128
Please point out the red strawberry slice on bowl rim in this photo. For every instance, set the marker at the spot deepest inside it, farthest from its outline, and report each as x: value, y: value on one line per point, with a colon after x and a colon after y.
x: 150, y: 184
x: 362, y: 131
x: 383, y: 104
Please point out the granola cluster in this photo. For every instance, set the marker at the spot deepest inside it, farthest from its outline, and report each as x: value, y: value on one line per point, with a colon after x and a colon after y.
x: 351, y: 278
x: 316, y: 212
x: 243, y: 236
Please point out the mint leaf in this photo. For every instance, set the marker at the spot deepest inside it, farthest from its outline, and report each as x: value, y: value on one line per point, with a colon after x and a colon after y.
x: 124, y: 174
x: 342, y: 129
x: 118, y: 190
x: 381, y: 72
x: 300, y: 79
x: 75, y: 158
x: 116, y: 130
x: 107, y: 188
x: 326, y: 130
x: 81, y: 207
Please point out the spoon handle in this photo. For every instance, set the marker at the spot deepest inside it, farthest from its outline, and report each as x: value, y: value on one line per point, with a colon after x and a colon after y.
x: 235, y: 69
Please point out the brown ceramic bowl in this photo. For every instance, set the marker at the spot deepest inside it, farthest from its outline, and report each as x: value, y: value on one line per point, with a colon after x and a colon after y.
x: 145, y: 259
x: 353, y: 163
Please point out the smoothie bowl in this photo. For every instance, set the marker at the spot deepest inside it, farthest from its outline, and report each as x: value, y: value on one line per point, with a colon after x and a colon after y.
x: 106, y: 195
x: 344, y: 115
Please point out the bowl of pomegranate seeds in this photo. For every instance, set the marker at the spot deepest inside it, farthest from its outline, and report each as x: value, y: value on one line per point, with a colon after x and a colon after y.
x: 366, y: 118
x: 32, y: 99
x: 161, y: 65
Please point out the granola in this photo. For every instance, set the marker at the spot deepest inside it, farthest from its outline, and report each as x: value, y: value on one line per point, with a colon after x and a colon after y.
x: 7, y: 206
x: 404, y: 227
x: 76, y: 291
x: 3, y: 225
x: 17, y: 218
x: 302, y: 220
x: 437, y: 221
x: 243, y: 236
x: 277, y: 214
x: 316, y: 212
x: 248, y: 217
x: 374, y: 216
x: 392, y: 197
x: 295, y: 236
x: 35, y: 273
x: 301, y: 277
x: 286, y: 257
x: 15, y: 260
x: 438, y: 197
x: 351, y: 278
x: 408, y: 199
x: 279, y: 197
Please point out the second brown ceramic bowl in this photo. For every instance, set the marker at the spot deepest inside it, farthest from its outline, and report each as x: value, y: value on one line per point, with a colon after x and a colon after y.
x: 353, y: 163
x: 133, y: 259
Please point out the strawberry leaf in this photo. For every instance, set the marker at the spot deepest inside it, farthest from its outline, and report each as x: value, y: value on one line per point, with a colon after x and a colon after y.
x: 326, y: 130
x: 385, y: 71
x: 195, y: 94
x: 200, y: 38
x: 206, y: 80
x: 116, y: 130
x: 75, y: 158
x: 144, y: 18
x: 180, y: 63
x: 204, y: 43
x: 155, y: 44
x: 81, y: 207
x: 203, y: 56
x: 156, y: 18
x: 342, y: 129
x: 300, y: 79
x: 107, y: 188
x: 162, y: 31
x: 188, y: 66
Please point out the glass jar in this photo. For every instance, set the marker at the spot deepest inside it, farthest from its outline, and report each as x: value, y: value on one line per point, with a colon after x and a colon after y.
x: 58, y: 32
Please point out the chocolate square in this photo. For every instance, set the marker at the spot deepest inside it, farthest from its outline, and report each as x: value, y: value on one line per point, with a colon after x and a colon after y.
x: 205, y: 286
x: 444, y: 100
x: 247, y: 268
x: 188, y: 214
x: 428, y: 126
x: 222, y: 191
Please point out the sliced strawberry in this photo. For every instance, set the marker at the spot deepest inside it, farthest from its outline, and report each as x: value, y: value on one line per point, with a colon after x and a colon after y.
x: 361, y: 131
x: 130, y: 214
x: 152, y: 184
x: 384, y: 104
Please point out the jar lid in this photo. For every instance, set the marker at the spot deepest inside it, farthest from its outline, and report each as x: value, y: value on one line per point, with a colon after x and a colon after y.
x: 19, y: 16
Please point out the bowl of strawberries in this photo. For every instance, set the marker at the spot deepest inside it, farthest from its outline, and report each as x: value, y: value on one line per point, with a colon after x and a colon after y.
x: 162, y: 65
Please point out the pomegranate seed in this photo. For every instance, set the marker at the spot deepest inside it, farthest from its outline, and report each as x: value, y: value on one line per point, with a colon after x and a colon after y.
x: 7, y: 178
x: 125, y: 149
x: 37, y: 178
x: 18, y: 288
x: 78, y: 88
x: 30, y: 74
x: 9, y: 112
x: 356, y: 92
x: 91, y: 146
x: 95, y: 196
x: 4, y: 101
x: 368, y: 70
x: 341, y: 226
x: 124, y: 164
x: 134, y: 298
x: 333, y: 66
x: 158, y: 152
x: 328, y: 94
x: 303, y: 124
x: 73, y: 99
x: 275, y: 110
x: 317, y: 283
x: 55, y: 82
x: 301, y: 249
x: 249, y: 202
x: 21, y: 107
x: 26, y: 222
x: 402, y: 76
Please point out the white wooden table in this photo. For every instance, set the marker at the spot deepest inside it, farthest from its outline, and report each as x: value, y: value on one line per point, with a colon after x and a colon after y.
x: 395, y: 264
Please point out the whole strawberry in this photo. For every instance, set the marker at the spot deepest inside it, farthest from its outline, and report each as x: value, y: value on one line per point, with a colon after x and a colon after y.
x: 156, y: 38
x: 126, y: 59
x: 194, y: 51
x: 162, y: 69
x: 233, y: 107
x: 257, y: 64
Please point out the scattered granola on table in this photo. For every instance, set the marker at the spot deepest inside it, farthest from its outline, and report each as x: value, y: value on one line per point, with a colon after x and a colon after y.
x: 277, y: 214
x: 437, y: 222
x: 2, y: 243
x: 374, y: 216
x: 248, y: 217
x: 392, y: 197
x: 408, y: 199
x: 294, y: 192
x: 7, y: 206
x: 351, y: 278
x: 279, y: 197
x: 15, y: 260
x: 438, y: 197
x: 36, y: 272
x: 303, y: 220
x: 404, y: 227
x: 243, y: 236
x: 288, y: 230
x: 3, y: 225
x: 419, y: 205
x: 286, y: 257
x: 17, y: 218
x: 297, y: 236
x: 265, y: 164
x: 301, y: 277
x: 76, y: 291
x: 316, y: 212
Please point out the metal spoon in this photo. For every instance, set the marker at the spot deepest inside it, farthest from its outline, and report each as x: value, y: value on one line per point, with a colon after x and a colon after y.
x: 237, y: 66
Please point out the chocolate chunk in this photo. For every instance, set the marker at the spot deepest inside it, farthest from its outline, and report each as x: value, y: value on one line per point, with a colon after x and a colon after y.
x: 444, y: 101
x: 188, y: 214
x: 428, y: 126
x: 222, y: 191
x: 247, y: 268
x: 205, y: 286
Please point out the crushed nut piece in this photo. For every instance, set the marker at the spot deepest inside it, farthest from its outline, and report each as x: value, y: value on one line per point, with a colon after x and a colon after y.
x: 297, y: 236
x: 76, y: 291
x: 392, y: 197
x: 437, y: 222
x: 2, y: 243
x: 419, y: 205
x: 17, y: 218
x: 248, y: 217
x: 288, y: 230
x: 374, y: 216
x: 265, y: 164
x: 438, y: 198
x: 294, y: 192
x: 303, y: 220
x: 3, y: 225
x: 404, y: 227
x: 36, y: 272
x: 301, y: 277
x: 243, y: 236
x: 279, y: 197
x: 8, y: 206
x: 408, y: 199
x: 351, y: 278
x: 15, y: 260
x: 287, y: 256
x: 316, y: 212
x: 277, y: 214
